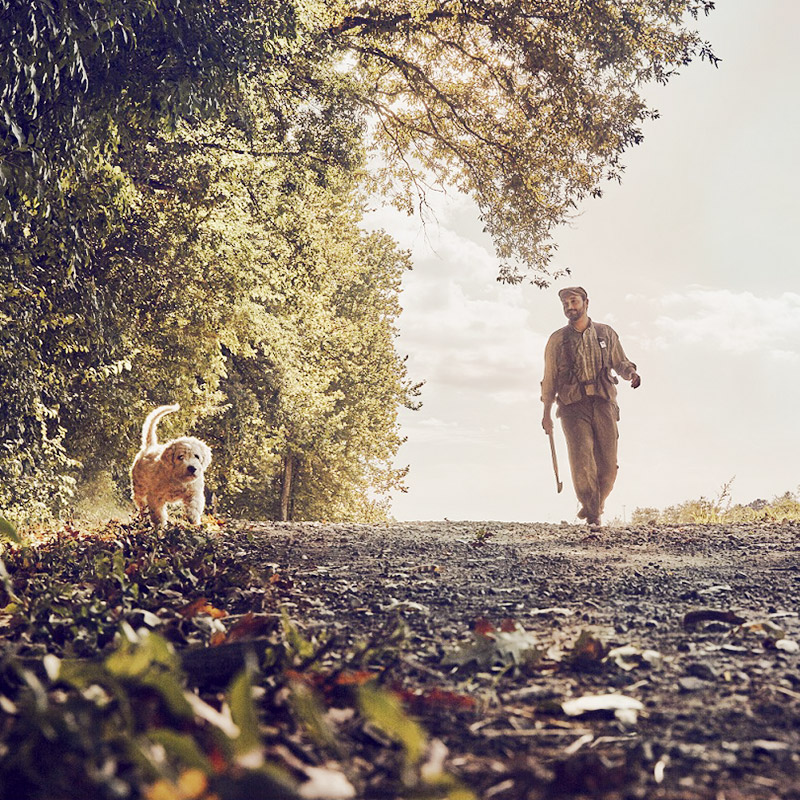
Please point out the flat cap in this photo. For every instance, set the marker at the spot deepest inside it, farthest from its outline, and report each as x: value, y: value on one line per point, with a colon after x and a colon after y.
x: 579, y: 290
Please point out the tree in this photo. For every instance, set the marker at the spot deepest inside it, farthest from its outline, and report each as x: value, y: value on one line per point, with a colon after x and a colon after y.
x: 78, y: 83
x: 256, y: 300
x: 527, y: 105
x: 308, y: 420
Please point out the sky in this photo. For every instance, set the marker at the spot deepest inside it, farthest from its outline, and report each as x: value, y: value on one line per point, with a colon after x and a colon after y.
x: 693, y: 259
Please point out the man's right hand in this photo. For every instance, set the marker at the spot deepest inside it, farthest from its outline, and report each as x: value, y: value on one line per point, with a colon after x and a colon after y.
x: 547, y: 424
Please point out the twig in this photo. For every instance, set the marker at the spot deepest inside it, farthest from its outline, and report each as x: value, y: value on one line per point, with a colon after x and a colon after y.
x: 787, y: 692
x: 529, y: 733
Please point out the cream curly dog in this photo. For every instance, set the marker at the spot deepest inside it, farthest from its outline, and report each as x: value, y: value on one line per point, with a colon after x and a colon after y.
x: 170, y: 472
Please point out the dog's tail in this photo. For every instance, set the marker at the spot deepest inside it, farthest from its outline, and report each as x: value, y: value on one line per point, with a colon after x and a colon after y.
x: 149, y: 438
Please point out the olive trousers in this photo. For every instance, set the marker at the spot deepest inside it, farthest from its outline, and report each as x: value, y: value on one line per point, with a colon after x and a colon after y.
x: 590, y: 428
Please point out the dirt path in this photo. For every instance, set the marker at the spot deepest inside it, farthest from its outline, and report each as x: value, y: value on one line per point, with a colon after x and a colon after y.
x: 710, y: 615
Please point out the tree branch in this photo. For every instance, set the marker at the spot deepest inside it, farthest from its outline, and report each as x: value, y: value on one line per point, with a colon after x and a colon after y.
x: 412, y: 74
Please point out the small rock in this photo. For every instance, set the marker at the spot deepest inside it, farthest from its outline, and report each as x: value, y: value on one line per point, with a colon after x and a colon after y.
x: 769, y: 746
x: 719, y: 589
x: 691, y: 684
x: 734, y: 648
x: 702, y: 671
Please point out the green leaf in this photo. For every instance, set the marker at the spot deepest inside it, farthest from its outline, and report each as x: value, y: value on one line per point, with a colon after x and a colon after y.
x: 135, y: 658
x: 149, y: 659
x: 119, y: 567
x: 168, y: 685
x: 384, y: 710
x: 310, y: 713
x: 298, y: 645
x: 247, y: 746
x: 181, y: 748
x: 80, y: 674
x: 8, y: 531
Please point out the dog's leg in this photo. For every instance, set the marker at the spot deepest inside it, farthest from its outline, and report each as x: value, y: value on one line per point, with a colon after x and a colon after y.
x: 139, y: 499
x: 158, y: 512
x: 194, y: 507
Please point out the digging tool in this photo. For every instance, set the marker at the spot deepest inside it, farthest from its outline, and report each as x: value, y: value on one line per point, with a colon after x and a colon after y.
x: 559, y: 485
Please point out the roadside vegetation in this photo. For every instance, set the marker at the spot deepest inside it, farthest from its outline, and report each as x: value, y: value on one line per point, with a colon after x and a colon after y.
x: 721, y: 510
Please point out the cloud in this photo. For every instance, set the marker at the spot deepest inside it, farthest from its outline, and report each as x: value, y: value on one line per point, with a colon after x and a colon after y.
x: 733, y: 322
x: 435, y: 430
x: 460, y: 327
x: 514, y: 397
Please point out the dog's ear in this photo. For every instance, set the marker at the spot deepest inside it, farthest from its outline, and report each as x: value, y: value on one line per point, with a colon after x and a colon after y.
x: 205, y: 454
x: 169, y: 454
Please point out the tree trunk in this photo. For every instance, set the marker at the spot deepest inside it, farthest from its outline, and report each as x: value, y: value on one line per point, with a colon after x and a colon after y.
x: 286, y: 490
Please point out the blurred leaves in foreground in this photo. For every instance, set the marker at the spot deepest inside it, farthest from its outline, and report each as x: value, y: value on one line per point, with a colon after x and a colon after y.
x: 166, y: 668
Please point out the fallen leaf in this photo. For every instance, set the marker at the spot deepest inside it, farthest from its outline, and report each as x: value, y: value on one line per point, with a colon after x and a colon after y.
x: 483, y: 626
x: 587, y: 650
x: 558, y: 610
x: 326, y: 784
x: 623, y: 707
x: 433, y: 569
x: 408, y: 605
x: 355, y: 678
x: 764, y: 628
x: 192, y: 783
x: 629, y: 657
x: 219, y: 719
x: 491, y: 647
x: 433, y: 766
x: 420, y: 701
x: 201, y: 606
x: 251, y: 626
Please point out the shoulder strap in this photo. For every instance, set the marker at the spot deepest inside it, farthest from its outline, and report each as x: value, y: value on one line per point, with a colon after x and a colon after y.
x: 566, y: 349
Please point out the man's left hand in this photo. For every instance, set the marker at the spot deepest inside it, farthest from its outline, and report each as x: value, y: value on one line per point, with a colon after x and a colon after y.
x: 635, y: 381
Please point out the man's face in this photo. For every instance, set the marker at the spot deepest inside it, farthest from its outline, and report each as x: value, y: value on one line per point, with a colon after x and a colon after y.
x: 574, y: 307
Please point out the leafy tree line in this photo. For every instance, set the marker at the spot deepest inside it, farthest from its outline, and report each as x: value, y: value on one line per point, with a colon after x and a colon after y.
x: 183, y: 184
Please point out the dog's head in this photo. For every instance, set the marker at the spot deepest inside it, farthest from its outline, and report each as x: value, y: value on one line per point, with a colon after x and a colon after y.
x: 189, y: 457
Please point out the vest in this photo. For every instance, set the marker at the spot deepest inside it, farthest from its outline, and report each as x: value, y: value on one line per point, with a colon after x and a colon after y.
x: 604, y: 381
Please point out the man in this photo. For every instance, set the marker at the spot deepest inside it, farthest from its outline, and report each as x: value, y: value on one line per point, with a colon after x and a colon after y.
x: 579, y: 365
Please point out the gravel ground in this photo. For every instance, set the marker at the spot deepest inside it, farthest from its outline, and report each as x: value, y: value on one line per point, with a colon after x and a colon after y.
x: 707, y: 617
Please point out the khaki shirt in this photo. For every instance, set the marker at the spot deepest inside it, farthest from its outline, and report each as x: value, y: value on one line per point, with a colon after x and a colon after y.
x: 585, y: 369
